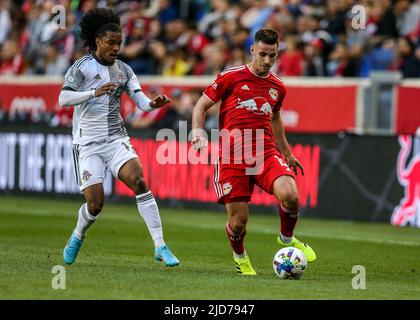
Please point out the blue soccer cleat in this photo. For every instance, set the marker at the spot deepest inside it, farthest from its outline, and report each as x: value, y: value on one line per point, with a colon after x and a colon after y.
x: 164, y: 254
x: 72, y: 248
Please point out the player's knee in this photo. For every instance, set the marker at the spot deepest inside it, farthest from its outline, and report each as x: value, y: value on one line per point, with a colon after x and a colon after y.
x: 238, y: 225
x: 95, y: 207
x: 292, y: 201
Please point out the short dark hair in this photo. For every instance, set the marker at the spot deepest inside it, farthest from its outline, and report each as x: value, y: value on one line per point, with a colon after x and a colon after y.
x: 96, y: 23
x: 267, y: 36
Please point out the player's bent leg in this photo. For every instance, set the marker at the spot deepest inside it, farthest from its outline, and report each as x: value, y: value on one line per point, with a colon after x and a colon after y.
x: 285, y: 190
x: 87, y: 216
x: 131, y: 173
x: 238, y: 213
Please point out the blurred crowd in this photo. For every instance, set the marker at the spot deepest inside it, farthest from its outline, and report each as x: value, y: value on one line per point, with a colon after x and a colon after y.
x: 204, y: 37
x: 324, y: 38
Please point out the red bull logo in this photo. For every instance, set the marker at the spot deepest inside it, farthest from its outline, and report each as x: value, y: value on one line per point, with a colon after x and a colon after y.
x: 408, y: 211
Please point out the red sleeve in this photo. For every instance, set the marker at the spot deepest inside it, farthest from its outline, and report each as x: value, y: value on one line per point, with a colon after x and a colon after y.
x: 277, y: 107
x: 217, y: 89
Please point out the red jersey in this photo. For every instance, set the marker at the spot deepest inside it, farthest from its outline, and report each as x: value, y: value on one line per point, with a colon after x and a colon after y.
x: 247, y: 104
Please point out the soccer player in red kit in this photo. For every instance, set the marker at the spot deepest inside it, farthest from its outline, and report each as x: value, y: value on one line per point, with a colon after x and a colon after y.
x: 253, y: 148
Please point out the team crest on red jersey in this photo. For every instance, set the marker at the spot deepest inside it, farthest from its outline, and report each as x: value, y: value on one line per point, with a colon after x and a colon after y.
x: 273, y: 94
x: 227, y: 188
x: 258, y: 105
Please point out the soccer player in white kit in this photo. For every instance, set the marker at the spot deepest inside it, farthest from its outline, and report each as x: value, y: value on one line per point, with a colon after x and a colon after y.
x: 94, y: 85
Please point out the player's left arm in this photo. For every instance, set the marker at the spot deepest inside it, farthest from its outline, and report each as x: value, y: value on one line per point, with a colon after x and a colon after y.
x: 282, y: 144
x: 142, y: 101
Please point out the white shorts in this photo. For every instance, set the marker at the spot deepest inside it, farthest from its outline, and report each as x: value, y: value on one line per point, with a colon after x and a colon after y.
x: 93, y: 160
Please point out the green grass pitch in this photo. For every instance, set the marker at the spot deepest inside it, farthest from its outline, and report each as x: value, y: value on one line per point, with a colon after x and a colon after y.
x: 116, y: 260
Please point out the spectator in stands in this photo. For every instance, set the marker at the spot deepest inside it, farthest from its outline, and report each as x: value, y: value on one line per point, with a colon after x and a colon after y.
x: 407, y: 13
x: 175, y: 64
x: 291, y: 61
x: 314, y: 63
x: 54, y: 64
x: 405, y: 59
x: 341, y: 63
x: 209, y: 24
x: 381, y: 55
x: 11, y: 61
x: 135, y: 51
x: 382, y: 19
x: 5, y: 22
x: 153, y: 28
x: 139, y: 119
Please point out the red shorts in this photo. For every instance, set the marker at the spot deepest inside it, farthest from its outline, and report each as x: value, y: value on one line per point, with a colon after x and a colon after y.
x: 235, y: 185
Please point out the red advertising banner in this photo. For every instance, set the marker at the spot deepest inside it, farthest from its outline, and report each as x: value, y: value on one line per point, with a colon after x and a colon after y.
x: 325, y: 108
x: 407, y: 109
x: 319, y: 109
x: 183, y: 180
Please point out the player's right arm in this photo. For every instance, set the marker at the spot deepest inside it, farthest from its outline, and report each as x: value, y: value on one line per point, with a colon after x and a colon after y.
x: 213, y: 93
x: 71, y: 95
x: 198, y: 118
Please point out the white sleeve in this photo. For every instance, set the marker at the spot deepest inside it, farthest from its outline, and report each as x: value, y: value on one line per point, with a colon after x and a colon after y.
x: 74, y: 98
x: 142, y: 101
x: 137, y: 95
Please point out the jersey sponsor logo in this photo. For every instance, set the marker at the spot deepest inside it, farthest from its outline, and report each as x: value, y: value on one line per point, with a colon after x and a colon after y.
x: 273, y: 94
x: 227, y: 188
x: 245, y: 87
x: 214, y: 85
x: 256, y: 105
x: 86, y: 175
x: 97, y: 77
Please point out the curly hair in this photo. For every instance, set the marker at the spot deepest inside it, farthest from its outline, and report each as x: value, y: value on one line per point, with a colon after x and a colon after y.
x: 96, y: 23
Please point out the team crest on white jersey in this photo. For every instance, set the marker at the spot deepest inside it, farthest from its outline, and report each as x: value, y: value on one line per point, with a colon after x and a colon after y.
x: 227, y: 188
x: 121, y: 77
x: 86, y: 175
x: 273, y: 94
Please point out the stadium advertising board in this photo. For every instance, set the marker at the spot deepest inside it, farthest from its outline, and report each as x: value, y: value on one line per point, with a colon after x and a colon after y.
x: 408, y: 109
x: 305, y: 109
x: 343, y: 179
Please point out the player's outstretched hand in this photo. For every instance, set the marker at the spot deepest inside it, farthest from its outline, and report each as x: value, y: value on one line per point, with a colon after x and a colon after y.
x: 159, y: 101
x: 108, y: 88
x: 294, y: 163
x: 199, y: 143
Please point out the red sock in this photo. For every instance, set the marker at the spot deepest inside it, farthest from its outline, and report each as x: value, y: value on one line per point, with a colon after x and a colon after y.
x: 236, y: 240
x: 288, y: 219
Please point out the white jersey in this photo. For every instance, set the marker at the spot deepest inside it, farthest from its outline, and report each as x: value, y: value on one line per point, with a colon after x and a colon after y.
x: 99, y: 119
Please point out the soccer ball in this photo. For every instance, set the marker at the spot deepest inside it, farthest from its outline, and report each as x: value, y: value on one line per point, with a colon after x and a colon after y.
x: 289, y: 263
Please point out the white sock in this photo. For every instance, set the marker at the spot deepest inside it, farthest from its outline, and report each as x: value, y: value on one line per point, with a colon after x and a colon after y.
x: 84, y: 221
x: 286, y: 240
x: 243, y: 255
x: 148, y: 209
